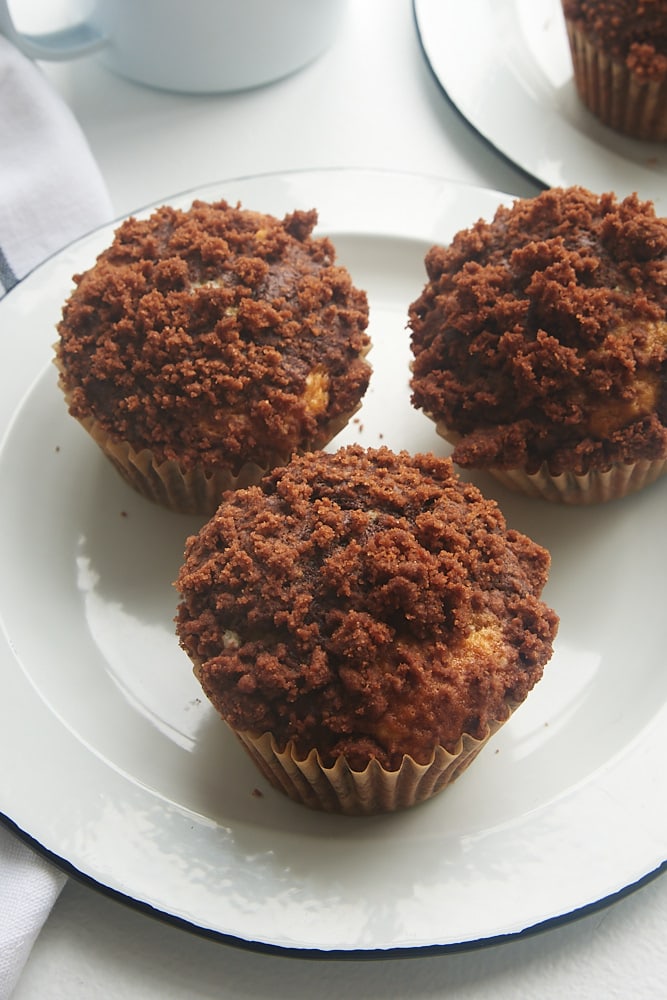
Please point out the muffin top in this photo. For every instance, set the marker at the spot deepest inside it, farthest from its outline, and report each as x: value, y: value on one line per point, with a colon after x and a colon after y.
x: 541, y: 336
x: 365, y: 603
x: 215, y: 336
x: 633, y: 31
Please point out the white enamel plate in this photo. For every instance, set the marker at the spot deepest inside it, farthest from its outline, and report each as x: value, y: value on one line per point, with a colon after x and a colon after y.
x: 505, y: 65
x: 115, y: 765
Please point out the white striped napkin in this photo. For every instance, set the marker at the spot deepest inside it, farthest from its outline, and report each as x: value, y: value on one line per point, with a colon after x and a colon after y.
x: 51, y: 192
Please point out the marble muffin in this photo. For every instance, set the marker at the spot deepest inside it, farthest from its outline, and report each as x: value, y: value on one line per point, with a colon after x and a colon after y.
x: 619, y: 57
x: 364, y: 621
x: 207, y: 345
x: 540, y: 345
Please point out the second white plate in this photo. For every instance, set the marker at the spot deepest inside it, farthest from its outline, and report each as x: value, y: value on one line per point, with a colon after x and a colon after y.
x: 505, y: 64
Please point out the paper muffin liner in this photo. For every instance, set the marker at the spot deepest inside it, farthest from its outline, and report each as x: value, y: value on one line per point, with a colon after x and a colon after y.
x: 596, y: 486
x: 195, y: 490
x: 614, y: 94
x: 186, y: 491
x: 341, y: 789
x: 593, y: 487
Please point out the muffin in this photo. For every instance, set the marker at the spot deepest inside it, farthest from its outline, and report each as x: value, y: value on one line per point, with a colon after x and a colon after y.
x: 539, y: 345
x: 619, y: 57
x: 206, y: 346
x: 363, y: 621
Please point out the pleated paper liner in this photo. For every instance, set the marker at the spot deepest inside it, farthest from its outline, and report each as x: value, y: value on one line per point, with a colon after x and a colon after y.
x: 186, y: 491
x: 596, y: 486
x: 614, y: 94
x: 375, y: 790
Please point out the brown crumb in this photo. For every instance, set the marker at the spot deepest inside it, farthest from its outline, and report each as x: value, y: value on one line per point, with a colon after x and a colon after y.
x: 631, y: 31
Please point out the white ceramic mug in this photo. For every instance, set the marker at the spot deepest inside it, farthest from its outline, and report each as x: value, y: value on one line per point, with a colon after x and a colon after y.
x: 192, y: 46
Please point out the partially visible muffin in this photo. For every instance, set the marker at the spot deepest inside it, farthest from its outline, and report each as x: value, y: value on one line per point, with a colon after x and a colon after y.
x: 206, y: 346
x: 619, y: 57
x: 540, y: 345
x: 364, y: 621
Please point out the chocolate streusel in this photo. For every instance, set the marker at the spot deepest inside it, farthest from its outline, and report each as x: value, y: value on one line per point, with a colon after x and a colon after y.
x: 215, y: 338
x: 365, y: 605
x: 540, y: 337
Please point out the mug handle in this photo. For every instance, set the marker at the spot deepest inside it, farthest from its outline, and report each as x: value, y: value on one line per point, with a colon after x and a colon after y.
x: 67, y: 43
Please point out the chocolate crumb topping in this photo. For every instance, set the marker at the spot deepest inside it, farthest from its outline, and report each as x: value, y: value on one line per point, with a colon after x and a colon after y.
x: 542, y: 335
x: 631, y: 31
x: 215, y: 336
x: 366, y: 603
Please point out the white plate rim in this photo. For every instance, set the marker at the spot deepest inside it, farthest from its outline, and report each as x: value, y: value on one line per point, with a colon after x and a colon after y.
x: 419, y: 219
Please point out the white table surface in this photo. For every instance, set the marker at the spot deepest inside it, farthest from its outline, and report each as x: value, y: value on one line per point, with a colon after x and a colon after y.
x: 370, y: 101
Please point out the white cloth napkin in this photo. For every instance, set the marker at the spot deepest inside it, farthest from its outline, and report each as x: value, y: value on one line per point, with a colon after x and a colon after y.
x: 29, y: 886
x: 51, y: 192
